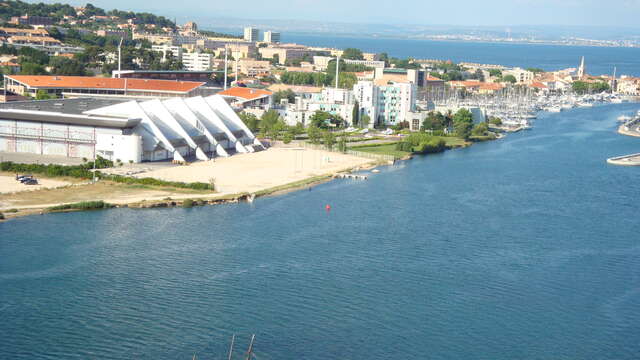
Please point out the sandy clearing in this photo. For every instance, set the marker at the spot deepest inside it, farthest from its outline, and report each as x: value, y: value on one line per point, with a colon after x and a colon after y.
x: 262, y: 170
x: 8, y: 184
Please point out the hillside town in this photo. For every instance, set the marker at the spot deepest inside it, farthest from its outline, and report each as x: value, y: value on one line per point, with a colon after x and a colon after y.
x: 59, y: 54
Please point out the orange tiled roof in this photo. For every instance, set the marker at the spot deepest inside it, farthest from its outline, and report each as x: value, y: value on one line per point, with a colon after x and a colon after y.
x: 245, y: 93
x: 8, y: 63
x: 88, y: 82
x: 491, y: 86
x: 433, y: 78
x: 537, y: 84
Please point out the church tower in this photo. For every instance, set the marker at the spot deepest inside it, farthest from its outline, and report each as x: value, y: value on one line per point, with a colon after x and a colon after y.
x: 581, y: 72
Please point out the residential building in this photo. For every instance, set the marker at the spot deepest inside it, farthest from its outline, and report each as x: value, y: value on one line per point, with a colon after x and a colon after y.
x: 33, y: 40
x: 165, y: 49
x: 8, y: 32
x: 522, y: 76
x: 115, y: 33
x: 334, y: 101
x: 71, y: 86
x: 127, y: 130
x: 322, y: 62
x: 629, y: 85
x: 244, y: 97
x: 271, y: 37
x: 251, y: 67
x: 197, y: 61
x: 285, y: 53
x: 31, y: 20
x: 251, y: 34
x: 386, y: 104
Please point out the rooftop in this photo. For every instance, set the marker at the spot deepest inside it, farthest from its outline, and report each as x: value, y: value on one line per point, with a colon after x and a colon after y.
x: 245, y: 93
x: 63, y: 106
x: 87, y: 82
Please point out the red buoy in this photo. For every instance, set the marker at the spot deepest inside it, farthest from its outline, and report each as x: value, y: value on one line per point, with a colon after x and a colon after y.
x: 328, y: 207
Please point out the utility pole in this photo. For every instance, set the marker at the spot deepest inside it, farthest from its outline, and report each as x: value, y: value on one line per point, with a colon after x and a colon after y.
x: 337, y: 70
x: 120, y: 56
x: 226, y: 58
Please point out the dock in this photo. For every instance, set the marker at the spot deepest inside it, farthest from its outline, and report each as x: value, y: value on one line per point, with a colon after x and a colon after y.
x: 351, y: 176
x: 625, y: 160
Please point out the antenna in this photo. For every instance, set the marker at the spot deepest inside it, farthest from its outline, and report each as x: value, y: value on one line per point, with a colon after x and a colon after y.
x: 120, y: 56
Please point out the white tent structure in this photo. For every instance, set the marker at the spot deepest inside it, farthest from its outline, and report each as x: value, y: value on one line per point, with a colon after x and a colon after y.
x: 127, y: 130
x: 175, y: 128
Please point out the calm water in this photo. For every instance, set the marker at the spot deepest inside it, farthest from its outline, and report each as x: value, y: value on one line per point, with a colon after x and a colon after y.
x: 599, y: 60
x: 523, y: 248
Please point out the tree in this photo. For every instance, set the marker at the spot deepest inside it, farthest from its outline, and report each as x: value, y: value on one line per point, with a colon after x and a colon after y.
x: 320, y: 119
x: 535, y: 70
x: 355, y: 116
x: 463, y: 123
x: 434, y: 121
x: 495, y: 121
x: 43, y: 95
x: 352, y: 54
x: 268, y: 120
x: 32, y: 69
x: 583, y: 87
x: 480, y: 129
x: 342, y: 143
x: 329, y: 139
x: 288, y: 137
x: 365, y: 120
x: 284, y: 94
x: 495, y: 72
x: 68, y: 67
x: 510, y: 79
x: 314, y: 134
x: 250, y: 120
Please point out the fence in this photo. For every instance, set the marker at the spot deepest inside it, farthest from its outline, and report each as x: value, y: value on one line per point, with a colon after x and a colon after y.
x: 366, y: 155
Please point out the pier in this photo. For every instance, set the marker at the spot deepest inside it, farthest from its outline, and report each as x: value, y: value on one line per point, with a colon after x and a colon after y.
x: 351, y: 176
x: 625, y: 160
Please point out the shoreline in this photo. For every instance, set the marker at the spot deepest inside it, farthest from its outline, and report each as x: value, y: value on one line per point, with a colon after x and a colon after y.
x: 626, y: 160
x: 197, y: 199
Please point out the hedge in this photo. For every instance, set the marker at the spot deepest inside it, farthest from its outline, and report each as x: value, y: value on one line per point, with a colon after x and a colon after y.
x: 82, y: 172
x: 85, y: 205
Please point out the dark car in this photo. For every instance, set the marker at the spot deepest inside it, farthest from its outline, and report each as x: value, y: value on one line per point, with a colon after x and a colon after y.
x: 30, y: 182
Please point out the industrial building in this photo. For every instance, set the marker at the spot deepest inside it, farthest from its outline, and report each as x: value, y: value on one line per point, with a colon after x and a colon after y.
x: 79, y: 86
x: 127, y: 130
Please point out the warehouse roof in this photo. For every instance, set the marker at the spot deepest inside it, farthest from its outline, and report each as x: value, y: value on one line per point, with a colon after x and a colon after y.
x: 88, y: 82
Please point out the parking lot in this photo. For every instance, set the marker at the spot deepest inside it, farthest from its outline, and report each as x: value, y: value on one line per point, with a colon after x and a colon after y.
x: 9, y: 184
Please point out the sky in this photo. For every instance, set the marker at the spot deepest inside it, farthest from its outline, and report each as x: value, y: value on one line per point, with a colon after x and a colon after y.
x: 619, y: 13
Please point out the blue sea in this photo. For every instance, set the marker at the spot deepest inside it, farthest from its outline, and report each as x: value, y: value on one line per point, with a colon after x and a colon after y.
x: 522, y: 248
x: 599, y: 60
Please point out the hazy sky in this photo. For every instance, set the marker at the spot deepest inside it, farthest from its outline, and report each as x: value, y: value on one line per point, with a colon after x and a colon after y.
x: 426, y: 12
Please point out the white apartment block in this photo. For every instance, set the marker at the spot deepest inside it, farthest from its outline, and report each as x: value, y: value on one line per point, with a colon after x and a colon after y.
x: 322, y: 62
x: 522, y: 76
x: 388, y: 104
x: 251, y: 34
x: 197, y: 61
x: 176, y: 51
x: 331, y: 100
x: 271, y: 37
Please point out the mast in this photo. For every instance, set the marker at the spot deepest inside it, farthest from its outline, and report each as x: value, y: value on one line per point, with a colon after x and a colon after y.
x: 250, y: 350
x: 233, y: 339
x: 337, y: 70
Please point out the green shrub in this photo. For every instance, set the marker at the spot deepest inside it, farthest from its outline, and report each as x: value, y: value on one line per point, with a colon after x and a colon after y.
x: 187, y: 203
x: 404, y: 146
x: 431, y: 146
x: 12, y: 211
x: 85, y: 205
x: 1, y: 216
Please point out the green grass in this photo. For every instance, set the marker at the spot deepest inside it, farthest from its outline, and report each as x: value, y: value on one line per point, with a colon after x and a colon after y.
x: 452, y: 141
x: 382, y: 149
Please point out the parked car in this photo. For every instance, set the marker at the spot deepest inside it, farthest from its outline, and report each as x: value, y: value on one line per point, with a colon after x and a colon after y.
x: 31, y: 181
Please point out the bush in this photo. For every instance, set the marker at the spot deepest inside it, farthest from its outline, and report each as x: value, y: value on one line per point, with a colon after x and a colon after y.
x: 404, y: 146
x: 187, y: 203
x: 1, y: 216
x: 431, y: 146
x: 85, y: 205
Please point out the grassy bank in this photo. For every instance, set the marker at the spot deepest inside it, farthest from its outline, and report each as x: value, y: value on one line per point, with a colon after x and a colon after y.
x: 84, y: 172
x: 81, y: 206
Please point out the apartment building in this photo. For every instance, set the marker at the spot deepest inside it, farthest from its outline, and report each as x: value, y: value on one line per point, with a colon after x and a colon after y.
x: 251, y: 34
x: 334, y: 101
x: 522, y: 76
x: 254, y: 67
x: 285, y: 53
x: 271, y: 37
x: 165, y: 49
x: 386, y: 104
x: 197, y: 61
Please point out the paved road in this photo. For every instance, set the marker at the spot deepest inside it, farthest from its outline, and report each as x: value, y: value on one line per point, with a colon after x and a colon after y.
x: 26, y: 158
